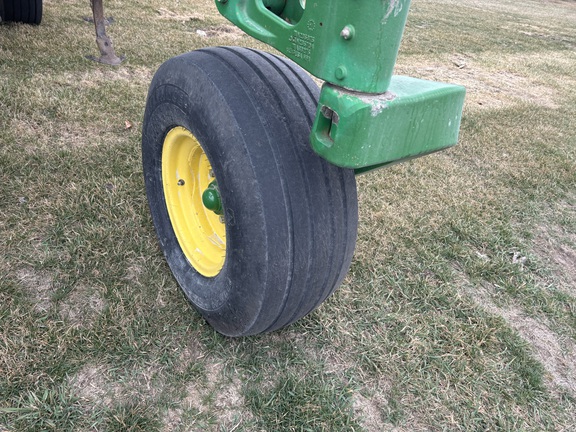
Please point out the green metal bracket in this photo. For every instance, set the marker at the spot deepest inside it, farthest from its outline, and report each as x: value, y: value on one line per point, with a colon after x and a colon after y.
x: 366, y: 117
x: 350, y: 43
x: 413, y: 118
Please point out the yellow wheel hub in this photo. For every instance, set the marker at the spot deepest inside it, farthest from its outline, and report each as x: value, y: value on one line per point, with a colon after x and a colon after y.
x: 186, y: 174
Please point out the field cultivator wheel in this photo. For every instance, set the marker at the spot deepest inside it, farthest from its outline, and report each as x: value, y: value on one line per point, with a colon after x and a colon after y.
x: 257, y: 229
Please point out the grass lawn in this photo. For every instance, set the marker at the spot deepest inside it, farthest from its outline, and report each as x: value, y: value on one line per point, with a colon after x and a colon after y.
x: 459, y: 311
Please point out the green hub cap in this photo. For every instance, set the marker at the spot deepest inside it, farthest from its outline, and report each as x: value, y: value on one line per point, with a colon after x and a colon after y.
x: 211, y: 199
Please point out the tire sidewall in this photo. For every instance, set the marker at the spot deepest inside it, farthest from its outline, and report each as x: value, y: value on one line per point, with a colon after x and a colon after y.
x: 235, y: 290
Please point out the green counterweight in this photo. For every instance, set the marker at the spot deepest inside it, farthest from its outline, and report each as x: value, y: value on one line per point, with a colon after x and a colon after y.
x: 413, y: 118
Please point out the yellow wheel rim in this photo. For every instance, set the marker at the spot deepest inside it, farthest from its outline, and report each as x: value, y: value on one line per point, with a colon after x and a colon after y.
x: 186, y: 174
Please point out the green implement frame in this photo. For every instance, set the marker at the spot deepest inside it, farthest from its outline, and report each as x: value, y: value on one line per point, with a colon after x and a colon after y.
x: 366, y: 117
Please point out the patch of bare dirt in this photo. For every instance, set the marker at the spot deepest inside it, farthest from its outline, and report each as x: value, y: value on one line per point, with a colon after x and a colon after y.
x: 82, y: 306
x: 557, y: 354
x: 537, y: 10
x: 371, y: 404
x: 565, y: 257
x: 134, y: 271
x: 95, y: 77
x: 190, y: 354
x: 34, y: 136
x: 39, y: 286
x: 219, y: 396
x: 222, y: 31
x: 555, y: 247
x: 95, y: 384
x: 370, y: 411
x: 167, y: 14
x: 485, y: 88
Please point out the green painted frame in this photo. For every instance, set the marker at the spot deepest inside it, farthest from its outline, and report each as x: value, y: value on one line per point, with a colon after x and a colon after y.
x: 366, y: 117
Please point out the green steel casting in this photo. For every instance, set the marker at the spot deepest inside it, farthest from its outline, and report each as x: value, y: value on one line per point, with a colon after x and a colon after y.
x: 413, y: 118
x: 351, y: 43
x: 366, y: 117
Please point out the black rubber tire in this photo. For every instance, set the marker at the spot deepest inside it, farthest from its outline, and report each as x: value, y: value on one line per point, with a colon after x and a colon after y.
x: 25, y: 11
x: 291, y: 217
